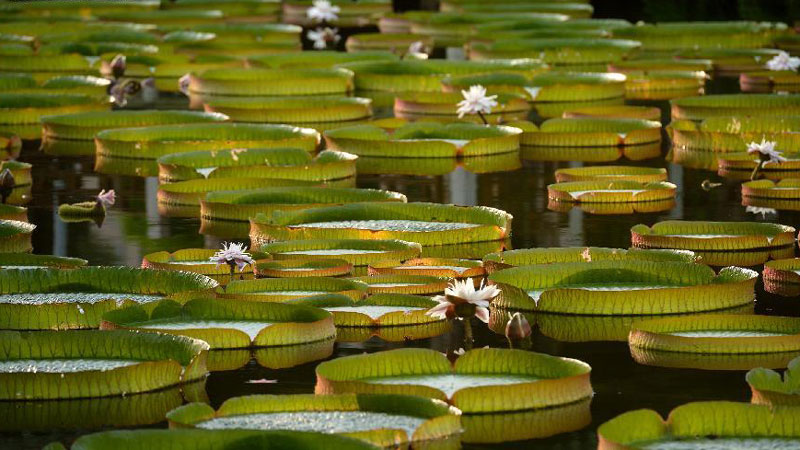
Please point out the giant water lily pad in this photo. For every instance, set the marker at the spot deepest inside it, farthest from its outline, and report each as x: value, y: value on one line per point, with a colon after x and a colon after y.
x: 143, y: 145
x: 574, y: 10
x: 316, y: 112
x: 317, y: 59
x: 182, y: 199
x: 663, y: 84
x: 23, y: 181
x: 38, y: 299
x: 782, y: 271
x: 784, y: 194
x: 292, y: 268
x: 443, y: 107
x: 216, y: 439
x: 769, y: 81
x: 605, y: 192
x: 454, y: 29
x: 629, y: 287
x: 437, y: 267
x: 740, y: 166
x: 397, y: 43
x: 547, y: 87
x: 284, y: 289
x: 716, y: 341
x: 384, y: 420
x: 196, y: 260
x: 239, y: 206
x: 481, y: 381
x: 549, y: 255
x: 404, y: 284
x: 611, y: 173
x: 428, y: 224
x: 426, y: 76
x: 265, y: 82
x: 667, y: 36
x: 425, y: 139
x: 90, y: 363
x: 592, y: 132
x: 276, y: 163
x: 556, y: 51
x: 615, y: 111
x: 10, y: 145
x: 26, y: 261
x: 15, y: 236
x: 84, y: 126
x: 226, y: 324
x: 770, y: 389
x: 21, y: 112
x: 732, y: 61
x: 380, y: 310
x: 719, y: 243
x: 357, y: 252
x: 703, y: 107
x: 732, y: 134
x: 704, y: 425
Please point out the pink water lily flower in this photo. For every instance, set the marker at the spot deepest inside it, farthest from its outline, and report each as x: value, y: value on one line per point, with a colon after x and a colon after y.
x: 462, y: 300
x: 183, y: 83
x: 107, y: 198
x: 234, y: 255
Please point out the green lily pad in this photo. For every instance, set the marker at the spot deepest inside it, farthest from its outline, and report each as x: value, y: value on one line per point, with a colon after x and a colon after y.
x: 292, y: 268
x: 266, y: 82
x: 21, y: 112
x: 703, y: 107
x: 227, y: 324
x: 285, y: 289
x: 40, y: 299
x: 559, y: 52
x: 770, y: 389
x: 518, y: 380
x: 90, y: 363
x: 196, y: 260
x: 25, y: 261
x: 357, y: 252
x: 673, y: 36
x: 549, y: 255
x: 317, y: 112
x: 15, y: 236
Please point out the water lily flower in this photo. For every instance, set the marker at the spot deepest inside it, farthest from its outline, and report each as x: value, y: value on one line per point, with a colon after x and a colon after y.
x: 760, y: 210
x: 476, y: 102
x: 323, y: 11
x: 234, y: 255
x: 118, y: 66
x: 107, y: 198
x: 321, y: 37
x: 782, y: 61
x: 517, y: 327
x: 183, y: 84
x: 766, y: 149
x: 462, y: 300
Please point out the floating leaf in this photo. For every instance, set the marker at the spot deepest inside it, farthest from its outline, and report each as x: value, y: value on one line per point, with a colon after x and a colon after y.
x: 769, y: 389
x: 283, y: 289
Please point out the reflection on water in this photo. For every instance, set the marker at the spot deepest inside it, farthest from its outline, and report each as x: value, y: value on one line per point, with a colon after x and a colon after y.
x: 134, y: 227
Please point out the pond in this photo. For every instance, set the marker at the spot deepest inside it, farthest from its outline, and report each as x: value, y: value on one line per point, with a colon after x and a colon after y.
x: 134, y: 227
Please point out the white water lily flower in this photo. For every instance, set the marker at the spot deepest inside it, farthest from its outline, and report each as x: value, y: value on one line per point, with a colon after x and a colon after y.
x: 782, y: 61
x: 476, y: 101
x: 462, y: 300
x: 765, y: 150
x: 323, y: 11
x: 760, y: 210
x: 233, y: 254
x: 321, y: 37
x: 418, y: 47
x: 107, y: 198
x: 183, y: 84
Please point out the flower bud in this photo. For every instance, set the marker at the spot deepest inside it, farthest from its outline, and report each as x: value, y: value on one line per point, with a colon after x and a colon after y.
x: 518, y: 327
x: 118, y: 66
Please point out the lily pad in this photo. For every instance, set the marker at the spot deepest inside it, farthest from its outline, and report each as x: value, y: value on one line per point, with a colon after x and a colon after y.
x: 227, y: 324
x: 429, y: 224
x: 275, y: 163
x: 284, y: 289
x: 381, y: 310
x: 517, y: 380
x: 557, y: 51
x: 437, y: 267
x: 628, y: 287
x: 40, y: 299
x: 443, y: 106
x: 611, y: 173
x: 404, y: 284
x: 359, y: 14
x: 663, y: 84
x: 269, y: 82
x: 26, y: 261
x: 15, y: 236
x: 602, y: 191
x: 397, y: 43
x: 144, y: 145
x: 317, y: 112
x: 548, y: 255
x: 89, y: 363
x: 671, y: 36
x: 592, y: 132
x: 318, y: 59
x: 292, y: 268
x: 703, y: 425
x: 703, y: 107
x: 357, y: 252
x: 770, y: 389
x: 196, y: 260
x: 719, y: 243
x: 424, y: 139
x: 21, y: 112
x: 747, y: 341
x: 616, y: 112
x: 383, y: 420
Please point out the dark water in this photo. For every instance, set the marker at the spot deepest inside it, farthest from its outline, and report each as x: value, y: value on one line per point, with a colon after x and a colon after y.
x: 134, y: 228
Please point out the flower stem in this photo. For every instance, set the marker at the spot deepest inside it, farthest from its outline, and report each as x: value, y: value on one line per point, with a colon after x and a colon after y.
x: 510, y: 343
x: 756, y: 171
x: 233, y: 271
x: 468, y: 334
x: 485, y: 122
